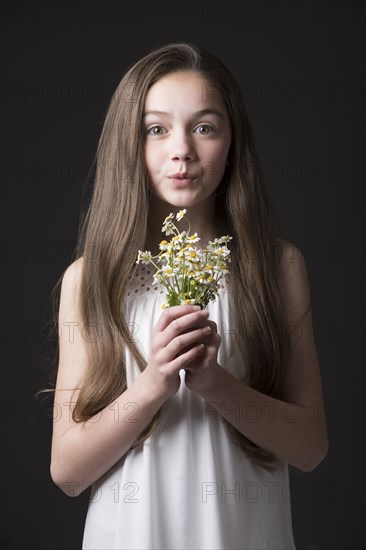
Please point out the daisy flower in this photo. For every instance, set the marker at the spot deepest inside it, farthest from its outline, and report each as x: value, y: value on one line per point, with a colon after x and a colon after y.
x: 180, y: 214
x: 190, y: 275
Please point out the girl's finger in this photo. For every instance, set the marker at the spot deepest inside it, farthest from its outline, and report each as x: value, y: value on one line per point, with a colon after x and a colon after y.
x: 183, y: 325
x: 183, y: 360
x: 186, y: 341
x: 212, y: 324
x: 171, y: 313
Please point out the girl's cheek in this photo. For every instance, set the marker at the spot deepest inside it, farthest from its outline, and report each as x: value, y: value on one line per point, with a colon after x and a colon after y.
x: 216, y: 146
x: 154, y: 148
x: 217, y: 152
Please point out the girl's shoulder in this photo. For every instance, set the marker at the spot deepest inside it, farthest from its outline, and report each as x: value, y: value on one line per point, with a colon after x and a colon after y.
x: 71, y: 277
x: 293, y: 281
x: 288, y: 251
x: 75, y: 268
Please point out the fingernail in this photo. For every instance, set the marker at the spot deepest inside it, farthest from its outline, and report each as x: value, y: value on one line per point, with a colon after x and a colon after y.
x: 196, y: 308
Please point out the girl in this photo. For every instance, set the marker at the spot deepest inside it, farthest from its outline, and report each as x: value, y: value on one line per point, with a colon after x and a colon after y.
x: 184, y: 445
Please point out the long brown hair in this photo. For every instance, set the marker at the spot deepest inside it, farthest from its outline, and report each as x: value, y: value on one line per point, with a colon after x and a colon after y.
x: 114, y: 227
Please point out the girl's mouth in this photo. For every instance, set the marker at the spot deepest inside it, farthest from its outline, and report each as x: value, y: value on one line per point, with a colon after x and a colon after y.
x: 182, y: 182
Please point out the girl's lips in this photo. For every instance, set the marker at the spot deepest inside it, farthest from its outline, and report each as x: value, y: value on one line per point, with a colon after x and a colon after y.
x: 182, y: 182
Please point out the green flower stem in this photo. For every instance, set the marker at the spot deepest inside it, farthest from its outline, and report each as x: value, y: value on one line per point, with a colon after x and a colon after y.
x: 189, y: 225
x: 157, y: 267
x: 168, y: 285
x: 176, y: 282
x: 176, y: 229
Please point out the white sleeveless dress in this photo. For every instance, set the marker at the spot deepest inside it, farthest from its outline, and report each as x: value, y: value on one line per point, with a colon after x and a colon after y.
x: 189, y: 486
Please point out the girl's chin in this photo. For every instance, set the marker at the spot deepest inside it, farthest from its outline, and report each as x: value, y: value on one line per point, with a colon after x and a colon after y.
x: 180, y: 199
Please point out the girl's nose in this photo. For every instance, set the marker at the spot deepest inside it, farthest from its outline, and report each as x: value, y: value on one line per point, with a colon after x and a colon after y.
x: 182, y: 147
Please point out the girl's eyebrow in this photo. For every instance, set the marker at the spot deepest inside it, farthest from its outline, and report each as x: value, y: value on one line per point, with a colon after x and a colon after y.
x: 197, y: 113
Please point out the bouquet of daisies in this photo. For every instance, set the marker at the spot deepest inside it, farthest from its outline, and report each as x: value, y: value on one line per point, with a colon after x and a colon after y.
x: 190, y: 275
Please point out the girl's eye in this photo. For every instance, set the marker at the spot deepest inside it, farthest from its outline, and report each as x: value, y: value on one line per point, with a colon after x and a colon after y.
x: 151, y: 131
x: 205, y: 126
x: 153, y: 128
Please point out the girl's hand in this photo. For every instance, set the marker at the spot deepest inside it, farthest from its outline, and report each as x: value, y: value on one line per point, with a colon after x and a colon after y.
x: 172, y: 349
x: 202, y: 371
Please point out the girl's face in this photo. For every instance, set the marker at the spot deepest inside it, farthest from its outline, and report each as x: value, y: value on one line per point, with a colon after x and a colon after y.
x: 190, y: 134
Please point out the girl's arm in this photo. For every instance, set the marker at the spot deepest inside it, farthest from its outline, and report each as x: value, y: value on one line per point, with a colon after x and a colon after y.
x: 293, y: 429
x: 83, y: 452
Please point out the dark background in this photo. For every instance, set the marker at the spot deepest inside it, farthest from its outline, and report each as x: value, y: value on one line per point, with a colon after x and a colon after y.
x: 301, y: 69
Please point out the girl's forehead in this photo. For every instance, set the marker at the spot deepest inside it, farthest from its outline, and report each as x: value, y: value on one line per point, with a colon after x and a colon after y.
x: 172, y: 88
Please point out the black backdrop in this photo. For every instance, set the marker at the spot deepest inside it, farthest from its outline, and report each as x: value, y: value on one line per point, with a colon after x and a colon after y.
x: 301, y: 69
